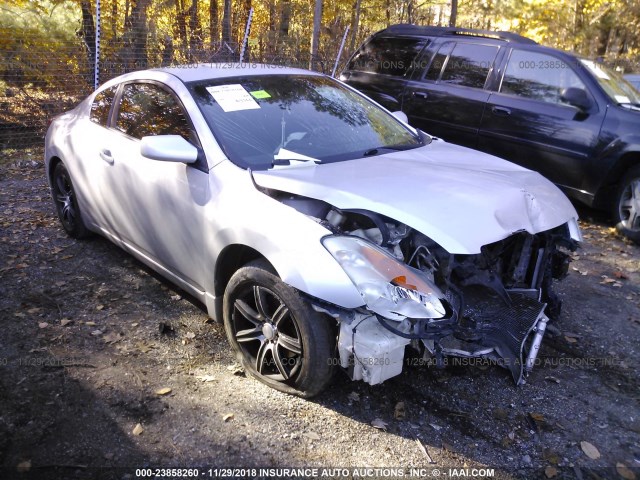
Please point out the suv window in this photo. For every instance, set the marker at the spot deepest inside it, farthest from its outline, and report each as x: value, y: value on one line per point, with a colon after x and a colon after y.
x: 538, y: 76
x: 438, y: 61
x: 469, y: 65
x: 388, y: 56
x: 101, y: 106
x: 147, y: 109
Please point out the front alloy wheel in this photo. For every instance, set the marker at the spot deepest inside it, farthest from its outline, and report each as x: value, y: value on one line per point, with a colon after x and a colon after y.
x: 627, y: 210
x: 278, y: 337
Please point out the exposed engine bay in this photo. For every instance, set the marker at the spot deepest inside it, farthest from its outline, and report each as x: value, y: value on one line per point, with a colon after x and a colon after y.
x: 492, y: 305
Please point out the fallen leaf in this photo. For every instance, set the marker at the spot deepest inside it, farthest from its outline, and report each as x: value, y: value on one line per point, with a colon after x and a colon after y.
x: 552, y: 379
x: 176, y: 297
x: 65, y: 321
x: 99, y: 307
x: 435, y: 427
x: 354, y: 396
x: 91, y: 324
x: 96, y: 333
x: 625, y: 472
x: 134, y: 324
x: 590, y: 450
x: 550, y: 471
x: 190, y: 335
x: 399, y: 412
x: 163, y: 391
x: 137, y: 430
x: 312, y: 435
x: 227, y: 417
x: 43, y: 325
x: 206, y: 378
x: 34, y: 310
x: 571, y: 339
x: 24, y: 466
x: 620, y: 275
x: 112, y: 337
x: 144, y: 347
x: 379, y: 424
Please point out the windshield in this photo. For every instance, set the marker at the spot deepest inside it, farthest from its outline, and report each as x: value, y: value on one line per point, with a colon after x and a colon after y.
x: 616, y: 87
x: 266, y: 120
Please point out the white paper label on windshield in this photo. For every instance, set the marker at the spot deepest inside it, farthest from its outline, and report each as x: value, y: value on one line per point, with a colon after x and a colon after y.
x: 232, y: 98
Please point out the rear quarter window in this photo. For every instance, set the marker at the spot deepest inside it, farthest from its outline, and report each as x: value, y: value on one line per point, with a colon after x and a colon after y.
x: 101, y: 106
x: 387, y: 55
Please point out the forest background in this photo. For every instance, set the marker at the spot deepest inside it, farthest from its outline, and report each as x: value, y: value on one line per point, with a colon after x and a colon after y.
x: 48, y: 47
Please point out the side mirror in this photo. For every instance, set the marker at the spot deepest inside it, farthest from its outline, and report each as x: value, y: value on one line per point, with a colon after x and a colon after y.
x: 576, y: 97
x: 401, y: 116
x: 168, y: 148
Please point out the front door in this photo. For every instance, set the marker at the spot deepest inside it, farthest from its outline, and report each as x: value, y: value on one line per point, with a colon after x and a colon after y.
x: 156, y: 207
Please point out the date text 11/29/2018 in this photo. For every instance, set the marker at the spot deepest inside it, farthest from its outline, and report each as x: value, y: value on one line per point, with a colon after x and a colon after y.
x: 311, y: 473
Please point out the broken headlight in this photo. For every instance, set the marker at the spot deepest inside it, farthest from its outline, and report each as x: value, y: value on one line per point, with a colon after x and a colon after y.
x: 389, y: 287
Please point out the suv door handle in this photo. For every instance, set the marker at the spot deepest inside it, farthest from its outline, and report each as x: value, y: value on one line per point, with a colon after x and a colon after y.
x: 105, y: 155
x: 501, y: 111
x: 422, y: 95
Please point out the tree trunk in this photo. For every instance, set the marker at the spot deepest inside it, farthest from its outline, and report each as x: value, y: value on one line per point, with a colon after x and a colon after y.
x: 137, y: 30
x: 195, y: 29
x: 315, y: 35
x: 88, y: 31
x: 114, y: 19
x: 454, y: 13
x: 181, y: 27
x: 213, y: 22
x: 388, y: 12
x: 355, y: 24
x: 226, y: 22
x: 285, y: 20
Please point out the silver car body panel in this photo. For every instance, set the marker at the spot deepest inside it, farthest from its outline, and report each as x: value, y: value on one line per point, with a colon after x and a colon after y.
x: 424, y: 188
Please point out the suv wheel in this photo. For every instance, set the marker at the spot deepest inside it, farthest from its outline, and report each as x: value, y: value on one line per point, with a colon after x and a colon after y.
x: 279, y: 339
x: 627, y: 205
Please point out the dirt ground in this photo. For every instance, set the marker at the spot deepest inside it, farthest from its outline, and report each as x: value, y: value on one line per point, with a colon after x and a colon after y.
x: 105, y: 368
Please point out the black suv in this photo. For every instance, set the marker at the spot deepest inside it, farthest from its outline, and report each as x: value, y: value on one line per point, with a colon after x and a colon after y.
x: 567, y: 117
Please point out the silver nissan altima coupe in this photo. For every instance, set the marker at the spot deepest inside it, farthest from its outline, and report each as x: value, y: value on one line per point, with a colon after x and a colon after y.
x: 320, y: 228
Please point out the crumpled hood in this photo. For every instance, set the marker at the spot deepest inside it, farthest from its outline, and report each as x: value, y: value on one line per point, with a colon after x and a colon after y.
x: 460, y: 198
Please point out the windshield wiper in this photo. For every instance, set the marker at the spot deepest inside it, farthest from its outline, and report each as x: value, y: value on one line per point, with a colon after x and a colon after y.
x: 394, y: 148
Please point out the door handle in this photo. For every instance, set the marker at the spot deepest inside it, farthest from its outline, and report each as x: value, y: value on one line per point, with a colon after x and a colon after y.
x: 105, y: 155
x: 422, y: 95
x: 501, y: 111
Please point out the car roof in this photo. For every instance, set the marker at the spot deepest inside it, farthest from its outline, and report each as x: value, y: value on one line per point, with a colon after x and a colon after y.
x: 632, y: 76
x: 410, y: 29
x: 206, y: 71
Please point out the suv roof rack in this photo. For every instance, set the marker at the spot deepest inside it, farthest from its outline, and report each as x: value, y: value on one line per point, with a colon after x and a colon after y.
x: 410, y: 29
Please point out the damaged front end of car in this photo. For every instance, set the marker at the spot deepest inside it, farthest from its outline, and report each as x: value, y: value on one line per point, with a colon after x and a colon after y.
x: 491, y: 305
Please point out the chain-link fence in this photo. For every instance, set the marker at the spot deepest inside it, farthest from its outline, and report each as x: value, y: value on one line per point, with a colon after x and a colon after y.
x: 44, y: 73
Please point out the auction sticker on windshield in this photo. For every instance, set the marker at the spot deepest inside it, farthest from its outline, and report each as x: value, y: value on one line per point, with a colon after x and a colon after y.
x: 232, y: 98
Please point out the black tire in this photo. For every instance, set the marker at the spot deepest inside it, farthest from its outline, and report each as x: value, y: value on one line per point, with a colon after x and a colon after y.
x: 278, y: 337
x: 66, y: 202
x: 626, y: 209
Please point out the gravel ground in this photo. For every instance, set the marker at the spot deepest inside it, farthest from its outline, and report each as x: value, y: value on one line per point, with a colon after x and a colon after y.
x: 105, y: 368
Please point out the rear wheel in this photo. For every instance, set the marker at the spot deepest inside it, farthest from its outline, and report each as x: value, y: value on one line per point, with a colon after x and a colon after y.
x: 278, y: 337
x: 66, y: 201
x: 627, y: 206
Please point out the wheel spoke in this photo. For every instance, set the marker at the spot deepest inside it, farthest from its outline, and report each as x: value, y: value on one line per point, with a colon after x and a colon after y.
x: 247, y: 312
x: 62, y: 198
x: 61, y: 184
x: 261, y: 357
x: 281, y: 312
x: 260, y: 300
x: 281, y: 368
x: 249, y: 335
x: 290, y: 343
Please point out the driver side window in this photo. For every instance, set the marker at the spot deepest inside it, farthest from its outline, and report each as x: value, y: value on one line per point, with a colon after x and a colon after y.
x: 538, y: 76
x: 147, y: 109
